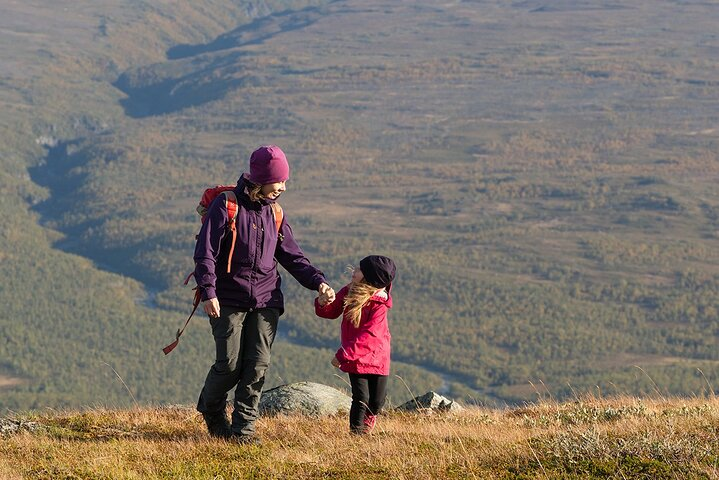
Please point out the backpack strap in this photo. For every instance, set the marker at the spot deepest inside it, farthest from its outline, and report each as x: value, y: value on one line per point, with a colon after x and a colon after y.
x: 231, y: 206
x: 278, y: 214
x: 232, y: 211
x: 197, y: 300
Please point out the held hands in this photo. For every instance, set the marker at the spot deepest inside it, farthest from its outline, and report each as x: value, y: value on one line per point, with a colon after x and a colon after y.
x: 335, y: 362
x: 327, y: 295
x: 212, y: 307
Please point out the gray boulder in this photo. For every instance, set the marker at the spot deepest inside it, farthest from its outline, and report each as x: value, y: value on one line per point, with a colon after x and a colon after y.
x: 9, y: 426
x: 432, y: 402
x: 306, y: 398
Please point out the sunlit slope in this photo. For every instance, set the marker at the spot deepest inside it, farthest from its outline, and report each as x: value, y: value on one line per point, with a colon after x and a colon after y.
x: 544, y: 176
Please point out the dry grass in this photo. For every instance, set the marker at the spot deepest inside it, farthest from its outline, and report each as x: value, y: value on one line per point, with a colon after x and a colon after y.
x: 589, y: 438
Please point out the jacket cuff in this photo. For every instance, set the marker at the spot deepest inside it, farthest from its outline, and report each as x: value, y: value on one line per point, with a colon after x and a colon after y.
x: 208, y: 292
x: 340, y: 358
x: 319, y: 281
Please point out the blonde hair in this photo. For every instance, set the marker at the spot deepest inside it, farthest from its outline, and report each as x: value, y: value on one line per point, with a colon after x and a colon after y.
x: 358, y: 295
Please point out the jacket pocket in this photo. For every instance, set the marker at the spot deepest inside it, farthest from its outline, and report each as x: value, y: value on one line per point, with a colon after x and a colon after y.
x: 241, y: 254
x: 269, y: 244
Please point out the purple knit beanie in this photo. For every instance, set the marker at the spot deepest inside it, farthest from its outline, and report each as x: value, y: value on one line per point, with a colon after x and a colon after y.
x: 268, y: 164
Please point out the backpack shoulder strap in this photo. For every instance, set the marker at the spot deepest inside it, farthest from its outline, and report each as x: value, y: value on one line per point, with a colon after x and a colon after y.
x: 278, y: 214
x: 231, y: 205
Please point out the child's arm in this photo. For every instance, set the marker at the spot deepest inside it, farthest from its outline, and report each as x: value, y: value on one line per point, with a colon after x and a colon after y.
x: 331, y: 310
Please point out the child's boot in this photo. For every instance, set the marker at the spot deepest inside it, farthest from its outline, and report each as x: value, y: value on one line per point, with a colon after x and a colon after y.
x: 369, y: 422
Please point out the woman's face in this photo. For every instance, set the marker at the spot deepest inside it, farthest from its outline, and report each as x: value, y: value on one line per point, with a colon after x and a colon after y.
x: 273, y: 190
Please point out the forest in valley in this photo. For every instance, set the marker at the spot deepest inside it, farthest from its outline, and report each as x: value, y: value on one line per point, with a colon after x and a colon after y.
x: 543, y: 173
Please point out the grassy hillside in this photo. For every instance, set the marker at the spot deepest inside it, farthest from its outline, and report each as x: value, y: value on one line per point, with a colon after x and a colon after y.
x: 544, y: 176
x: 74, y: 315
x: 588, y: 438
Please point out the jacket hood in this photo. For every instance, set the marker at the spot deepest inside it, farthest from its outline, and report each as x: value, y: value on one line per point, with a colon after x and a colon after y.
x: 382, y: 296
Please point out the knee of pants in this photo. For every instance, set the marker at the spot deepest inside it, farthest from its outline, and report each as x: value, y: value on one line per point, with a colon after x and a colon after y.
x: 253, y: 371
x: 225, y: 367
x: 376, y: 406
x: 360, y: 397
x: 257, y: 358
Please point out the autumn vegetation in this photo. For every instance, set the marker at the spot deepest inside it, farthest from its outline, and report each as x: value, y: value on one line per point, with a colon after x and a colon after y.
x: 589, y: 437
x: 544, y: 176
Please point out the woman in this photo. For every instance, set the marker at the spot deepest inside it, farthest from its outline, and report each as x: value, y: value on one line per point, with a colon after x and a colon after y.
x: 244, y: 300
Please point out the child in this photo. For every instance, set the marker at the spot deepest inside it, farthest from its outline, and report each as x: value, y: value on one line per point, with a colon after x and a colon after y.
x: 365, y: 349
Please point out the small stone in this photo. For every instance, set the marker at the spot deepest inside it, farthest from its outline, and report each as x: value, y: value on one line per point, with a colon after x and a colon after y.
x: 430, y: 401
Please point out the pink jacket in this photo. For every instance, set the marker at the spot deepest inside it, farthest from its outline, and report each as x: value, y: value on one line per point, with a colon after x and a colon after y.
x: 365, y: 349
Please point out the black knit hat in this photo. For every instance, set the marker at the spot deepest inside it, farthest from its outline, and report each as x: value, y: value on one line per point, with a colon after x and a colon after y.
x: 378, y: 271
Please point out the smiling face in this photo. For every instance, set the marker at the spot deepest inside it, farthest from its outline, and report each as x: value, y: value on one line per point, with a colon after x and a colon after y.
x: 273, y: 191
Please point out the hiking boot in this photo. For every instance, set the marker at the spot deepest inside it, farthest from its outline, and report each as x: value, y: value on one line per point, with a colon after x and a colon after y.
x: 238, y: 438
x: 217, y: 425
x: 369, y: 422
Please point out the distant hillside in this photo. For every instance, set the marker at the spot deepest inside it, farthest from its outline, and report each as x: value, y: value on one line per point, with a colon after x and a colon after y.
x: 543, y: 173
x: 587, y: 438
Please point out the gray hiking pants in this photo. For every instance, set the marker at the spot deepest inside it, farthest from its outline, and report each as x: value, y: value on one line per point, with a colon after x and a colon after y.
x: 243, y: 341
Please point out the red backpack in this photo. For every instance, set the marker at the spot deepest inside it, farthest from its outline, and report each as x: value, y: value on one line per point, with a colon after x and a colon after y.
x: 208, y: 196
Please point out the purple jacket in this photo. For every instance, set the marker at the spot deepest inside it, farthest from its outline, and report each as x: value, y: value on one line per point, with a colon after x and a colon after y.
x: 253, y: 281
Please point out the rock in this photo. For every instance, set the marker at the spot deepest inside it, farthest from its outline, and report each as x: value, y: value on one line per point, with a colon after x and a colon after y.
x: 430, y: 401
x: 306, y: 398
x: 47, y: 141
x: 9, y: 427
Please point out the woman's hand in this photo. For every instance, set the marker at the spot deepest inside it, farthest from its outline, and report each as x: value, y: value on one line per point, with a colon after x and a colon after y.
x: 212, y: 307
x: 335, y: 362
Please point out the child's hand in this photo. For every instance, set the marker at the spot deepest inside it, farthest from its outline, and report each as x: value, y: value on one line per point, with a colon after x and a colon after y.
x: 335, y: 362
x: 325, y: 298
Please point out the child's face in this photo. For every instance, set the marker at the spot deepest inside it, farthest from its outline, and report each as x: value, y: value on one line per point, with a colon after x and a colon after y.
x: 357, y: 275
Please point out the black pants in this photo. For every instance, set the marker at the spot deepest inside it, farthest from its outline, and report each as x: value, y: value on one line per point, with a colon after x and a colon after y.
x: 368, y: 395
x: 242, y: 341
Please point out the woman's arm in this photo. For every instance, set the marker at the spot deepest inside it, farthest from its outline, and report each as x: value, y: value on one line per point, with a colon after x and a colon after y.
x: 293, y: 259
